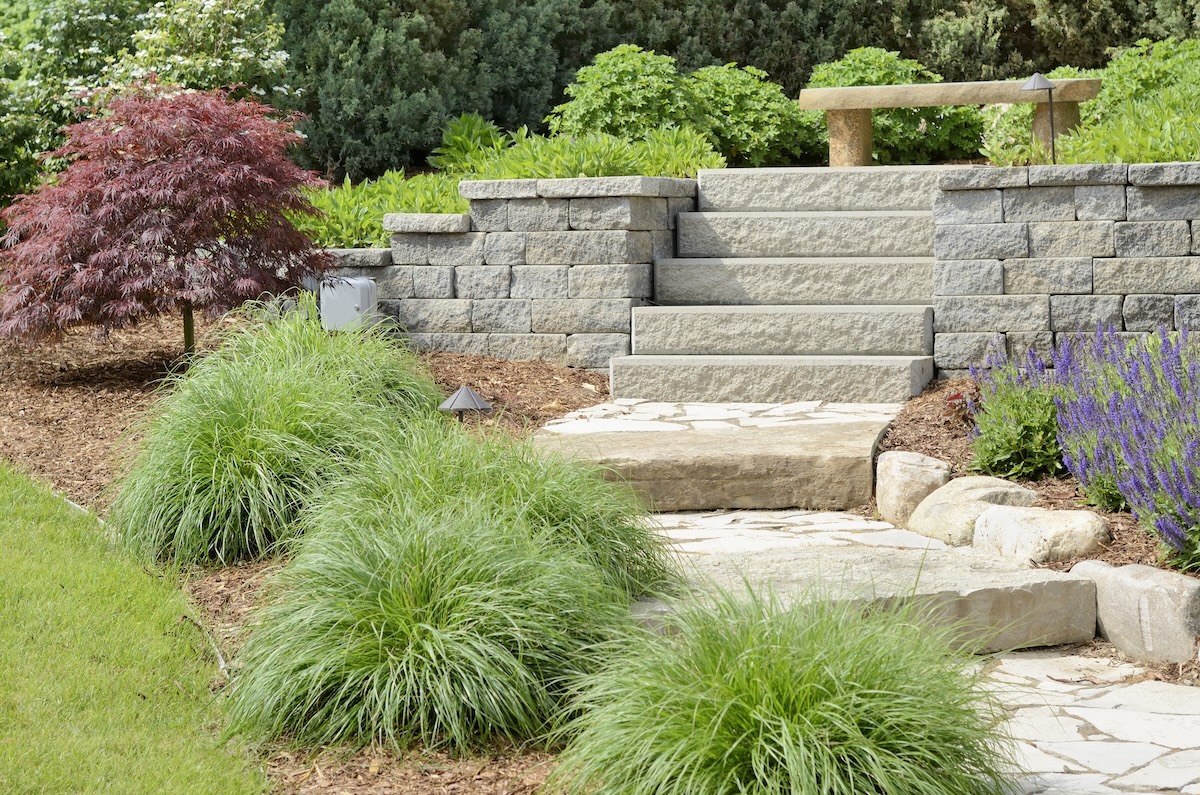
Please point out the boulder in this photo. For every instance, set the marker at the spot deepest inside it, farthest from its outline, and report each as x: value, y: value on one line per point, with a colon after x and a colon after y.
x: 949, y: 513
x: 902, y: 480
x: 1038, y: 535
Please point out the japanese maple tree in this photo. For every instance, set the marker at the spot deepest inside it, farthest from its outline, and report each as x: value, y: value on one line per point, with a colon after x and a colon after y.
x: 171, y: 201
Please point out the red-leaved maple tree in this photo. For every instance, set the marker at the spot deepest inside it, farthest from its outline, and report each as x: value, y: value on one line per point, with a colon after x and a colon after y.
x: 170, y: 202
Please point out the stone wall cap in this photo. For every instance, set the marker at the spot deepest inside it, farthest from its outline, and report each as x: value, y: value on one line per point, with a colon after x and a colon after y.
x: 983, y: 178
x: 427, y: 222
x: 609, y: 187
x: 1155, y: 174
x: 1085, y: 174
x: 498, y: 189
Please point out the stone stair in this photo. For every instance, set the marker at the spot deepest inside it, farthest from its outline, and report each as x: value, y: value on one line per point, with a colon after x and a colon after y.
x: 792, y: 284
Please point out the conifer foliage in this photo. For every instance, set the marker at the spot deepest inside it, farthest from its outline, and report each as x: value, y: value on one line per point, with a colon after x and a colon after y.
x: 171, y: 201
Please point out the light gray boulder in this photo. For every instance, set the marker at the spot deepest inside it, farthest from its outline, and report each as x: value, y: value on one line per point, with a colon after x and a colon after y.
x: 949, y: 513
x: 1038, y: 535
x: 902, y: 480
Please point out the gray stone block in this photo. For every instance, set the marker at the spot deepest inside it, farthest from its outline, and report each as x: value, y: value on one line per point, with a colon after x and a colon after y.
x: 433, y: 281
x: 598, y: 187
x: 1148, y: 312
x: 1020, y: 343
x: 473, y: 189
x: 953, y: 314
x: 968, y: 277
x: 538, y: 215
x: 677, y: 206
x: 1177, y: 203
x: 539, y: 281
x: 457, y: 250
x: 504, y: 248
x: 594, y: 350
x: 1196, y: 237
x: 1071, y: 239
x: 410, y: 249
x: 640, y: 213
x: 482, y: 281
x: 961, y: 351
x: 585, y: 248
x: 982, y: 177
x: 507, y: 316
x: 981, y: 241
x: 451, y: 343
x: 1039, y: 204
x: 442, y: 316
x: 968, y: 207
x: 1048, y: 276
x: 1085, y: 312
x: 583, y: 316
x: 489, y: 215
x: 434, y: 223
x: 609, y: 281
x: 782, y: 234
x: 1100, y: 203
x: 1151, y: 174
x: 396, y: 281
x: 1085, y: 174
x: 550, y: 348
x: 1152, y: 238
x: 818, y: 189
x: 1187, y: 312
x: 1126, y: 276
x: 361, y: 257
x: 662, y: 244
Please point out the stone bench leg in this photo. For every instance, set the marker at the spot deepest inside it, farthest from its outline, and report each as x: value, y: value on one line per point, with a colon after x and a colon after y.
x: 850, y: 136
x: 1066, y: 118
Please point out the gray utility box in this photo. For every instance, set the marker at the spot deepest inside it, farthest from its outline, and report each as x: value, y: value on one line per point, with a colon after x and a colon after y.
x: 348, y: 302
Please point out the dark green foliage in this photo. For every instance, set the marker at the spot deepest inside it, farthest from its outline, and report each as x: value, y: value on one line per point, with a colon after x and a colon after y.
x: 1016, y: 423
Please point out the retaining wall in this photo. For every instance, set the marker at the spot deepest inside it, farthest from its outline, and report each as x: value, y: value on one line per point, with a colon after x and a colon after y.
x: 1038, y: 252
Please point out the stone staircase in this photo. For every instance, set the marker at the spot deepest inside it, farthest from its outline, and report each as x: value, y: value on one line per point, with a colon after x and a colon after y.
x: 792, y: 284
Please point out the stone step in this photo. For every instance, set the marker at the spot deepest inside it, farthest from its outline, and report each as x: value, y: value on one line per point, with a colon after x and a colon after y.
x: 783, y: 330
x: 794, y: 280
x: 901, y: 233
x: 771, y: 379
x: 814, y: 189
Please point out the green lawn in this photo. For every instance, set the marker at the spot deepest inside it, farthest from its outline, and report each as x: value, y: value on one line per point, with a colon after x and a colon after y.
x: 103, y: 688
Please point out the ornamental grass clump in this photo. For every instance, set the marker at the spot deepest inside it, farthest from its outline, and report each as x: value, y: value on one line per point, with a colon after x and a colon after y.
x: 1016, y: 429
x: 239, y: 443
x: 743, y: 695
x: 454, y: 627
x: 1129, y: 418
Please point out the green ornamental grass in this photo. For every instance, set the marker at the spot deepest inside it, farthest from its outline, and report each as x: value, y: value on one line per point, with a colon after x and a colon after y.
x: 743, y: 696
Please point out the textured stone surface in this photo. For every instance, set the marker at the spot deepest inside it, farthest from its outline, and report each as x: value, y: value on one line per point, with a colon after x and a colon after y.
x: 1020, y: 343
x: 1048, y: 276
x: 590, y: 316
x: 968, y: 207
x: 1039, y: 535
x: 892, y: 280
x: 453, y: 343
x: 1164, y: 174
x: 588, y: 187
x: 498, y: 189
x: 1083, y: 174
x: 443, y: 316
x: 538, y: 215
x: 662, y: 244
x: 991, y: 313
x: 395, y: 281
x: 593, y: 351
x: 539, y: 281
x: 961, y: 351
x: 677, y: 206
x: 1187, y: 312
x: 783, y: 189
x: 949, y: 514
x: 433, y: 281
x: 489, y: 215
x: 457, y: 250
x: 979, y: 178
x: 610, y: 281
x: 981, y: 241
x: 501, y: 315
x: 1124, y: 276
x: 865, y: 234
x: 585, y: 248
x: 482, y: 281
x: 412, y: 249
x: 1148, y: 312
x: 361, y: 257
x: 543, y: 347
x: 642, y: 213
x: 1152, y: 238
x: 1100, y: 203
x: 504, y: 248
x: 1085, y: 312
x: 1039, y: 204
x: 968, y: 277
x: 903, y: 480
x: 426, y: 222
x: 1074, y: 239
x: 1147, y: 613
x: 1163, y: 204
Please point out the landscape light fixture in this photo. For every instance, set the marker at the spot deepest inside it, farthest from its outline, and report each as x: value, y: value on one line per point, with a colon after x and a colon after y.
x: 463, y: 400
x: 1039, y: 83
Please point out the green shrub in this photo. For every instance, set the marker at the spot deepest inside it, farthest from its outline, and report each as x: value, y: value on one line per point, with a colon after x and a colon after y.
x: 1008, y: 129
x: 465, y: 142
x: 237, y: 446
x: 977, y: 40
x: 902, y: 135
x: 742, y: 695
x: 453, y: 628
x: 1016, y: 423
x: 352, y: 215
x: 1161, y: 128
x: 749, y: 118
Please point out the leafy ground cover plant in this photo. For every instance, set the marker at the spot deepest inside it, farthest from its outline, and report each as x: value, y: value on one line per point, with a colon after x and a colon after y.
x: 1016, y: 425
x: 749, y: 119
x: 237, y: 446
x: 743, y: 695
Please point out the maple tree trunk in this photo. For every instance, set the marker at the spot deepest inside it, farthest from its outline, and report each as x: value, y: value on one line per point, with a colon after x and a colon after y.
x: 189, y: 330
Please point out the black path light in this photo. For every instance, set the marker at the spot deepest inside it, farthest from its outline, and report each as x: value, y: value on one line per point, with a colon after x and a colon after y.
x: 463, y: 400
x: 1039, y: 83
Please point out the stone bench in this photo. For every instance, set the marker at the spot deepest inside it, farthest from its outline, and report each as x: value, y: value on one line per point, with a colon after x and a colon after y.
x: 848, y: 109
